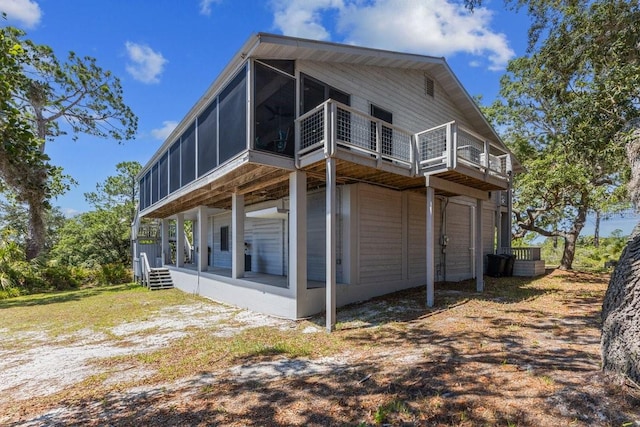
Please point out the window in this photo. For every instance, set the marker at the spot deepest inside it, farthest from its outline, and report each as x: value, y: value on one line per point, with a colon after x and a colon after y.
x: 208, y: 139
x: 275, y: 100
x: 174, y: 166
x: 188, y: 155
x: 163, y: 175
x: 386, y: 137
x: 233, y: 117
x: 141, y: 194
x: 224, y: 238
x: 284, y: 65
x: 154, y: 184
x: 147, y: 189
x: 314, y: 93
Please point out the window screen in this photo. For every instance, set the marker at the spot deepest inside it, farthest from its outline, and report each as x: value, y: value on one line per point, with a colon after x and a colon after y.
x: 208, y: 139
x: 274, y: 100
x: 233, y: 117
x: 154, y: 184
x: 188, y: 156
x: 174, y: 166
x: 141, y: 193
x: 163, y: 175
x: 147, y: 189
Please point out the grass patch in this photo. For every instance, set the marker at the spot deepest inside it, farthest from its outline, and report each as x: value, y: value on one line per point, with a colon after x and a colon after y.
x: 201, y: 351
x: 57, y: 314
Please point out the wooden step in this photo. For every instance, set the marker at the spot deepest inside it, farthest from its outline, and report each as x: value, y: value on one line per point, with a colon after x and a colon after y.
x: 160, y: 278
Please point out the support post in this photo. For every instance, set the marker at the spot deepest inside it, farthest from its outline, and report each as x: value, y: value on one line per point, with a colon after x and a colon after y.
x: 331, y: 243
x: 237, y: 231
x: 478, y: 248
x: 180, y: 240
x: 509, y: 209
x: 298, y: 238
x: 164, y: 243
x: 498, y: 228
x: 430, y: 250
x: 203, y: 252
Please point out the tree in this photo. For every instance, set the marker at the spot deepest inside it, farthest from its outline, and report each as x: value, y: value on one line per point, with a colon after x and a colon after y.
x: 120, y: 190
x: 620, y: 341
x: 102, y: 236
x: 50, y: 98
x: 563, y: 105
x: 601, y: 39
x: 14, y: 223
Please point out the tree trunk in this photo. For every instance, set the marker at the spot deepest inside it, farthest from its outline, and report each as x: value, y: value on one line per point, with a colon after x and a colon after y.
x: 569, y: 252
x: 571, y: 238
x: 37, y: 229
x: 596, y: 233
x: 620, y: 342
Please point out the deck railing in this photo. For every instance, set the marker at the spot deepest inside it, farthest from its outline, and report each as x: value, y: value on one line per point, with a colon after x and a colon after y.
x: 332, y: 125
x: 451, y: 144
x: 522, y: 253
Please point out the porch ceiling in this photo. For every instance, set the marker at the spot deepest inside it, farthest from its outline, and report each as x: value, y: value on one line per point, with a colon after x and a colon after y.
x: 256, y: 182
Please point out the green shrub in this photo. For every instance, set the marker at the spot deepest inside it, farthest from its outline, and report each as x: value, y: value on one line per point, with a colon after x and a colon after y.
x: 60, y: 278
x: 114, y: 274
x: 9, y: 292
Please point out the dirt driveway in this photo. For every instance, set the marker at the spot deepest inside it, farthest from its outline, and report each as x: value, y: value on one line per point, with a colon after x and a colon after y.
x: 524, y: 353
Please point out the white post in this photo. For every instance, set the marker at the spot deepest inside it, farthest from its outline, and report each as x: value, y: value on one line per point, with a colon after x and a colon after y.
x: 203, y: 252
x: 166, y: 251
x: 498, y: 227
x: 509, y: 224
x: 237, y: 231
x: 478, y: 245
x: 331, y: 243
x: 180, y: 240
x: 298, y: 238
x: 430, y: 250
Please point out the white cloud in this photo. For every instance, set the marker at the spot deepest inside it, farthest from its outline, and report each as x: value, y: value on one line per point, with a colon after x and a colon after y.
x: 304, y: 18
x: 146, y: 65
x: 163, y: 133
x: 70, y: 212
x: 428, y: 27
x: 205, y: 6
x: 26, y: 12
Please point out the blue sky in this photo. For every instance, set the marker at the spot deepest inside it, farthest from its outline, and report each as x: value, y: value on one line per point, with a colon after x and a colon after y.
x: 167, y: 52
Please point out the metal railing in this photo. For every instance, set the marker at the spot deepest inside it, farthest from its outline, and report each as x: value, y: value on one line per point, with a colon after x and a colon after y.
x: 333, y: 125
x: 451, y: 144
x: 523, y: 253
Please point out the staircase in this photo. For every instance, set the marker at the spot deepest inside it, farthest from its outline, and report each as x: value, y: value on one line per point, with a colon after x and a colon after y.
x: 160, y: 278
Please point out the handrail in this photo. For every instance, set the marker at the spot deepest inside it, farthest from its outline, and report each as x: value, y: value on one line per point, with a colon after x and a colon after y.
x: 450, y: 144
x: 187, y: 245
x: 145, y: 269
x: 332, y: 125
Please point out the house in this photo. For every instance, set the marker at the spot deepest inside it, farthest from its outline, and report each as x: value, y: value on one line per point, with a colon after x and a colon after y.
x: 311, y: 175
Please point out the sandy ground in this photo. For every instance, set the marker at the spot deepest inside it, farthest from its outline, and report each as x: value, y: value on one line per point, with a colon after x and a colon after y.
x: 531, y: 362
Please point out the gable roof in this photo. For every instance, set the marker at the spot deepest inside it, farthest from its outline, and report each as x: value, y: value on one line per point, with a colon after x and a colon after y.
x: 273, y: 46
